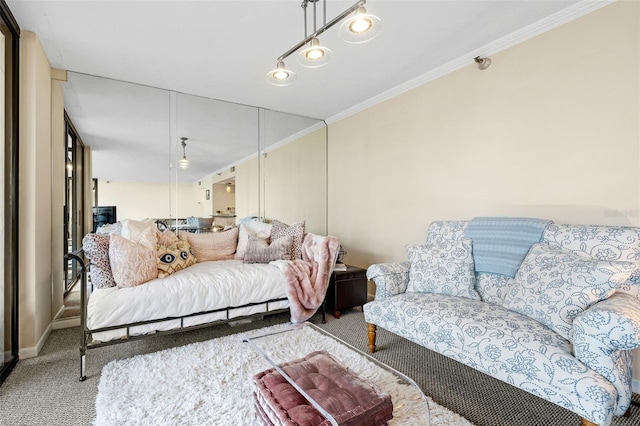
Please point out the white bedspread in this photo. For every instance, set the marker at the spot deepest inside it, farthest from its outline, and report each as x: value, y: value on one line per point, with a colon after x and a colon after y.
x: 201, y: 287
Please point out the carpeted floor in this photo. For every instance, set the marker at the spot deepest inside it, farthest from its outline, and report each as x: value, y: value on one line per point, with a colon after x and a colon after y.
x: 45, y: 390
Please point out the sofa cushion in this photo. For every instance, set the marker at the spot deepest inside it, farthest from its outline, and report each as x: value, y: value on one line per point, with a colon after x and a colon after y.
x: 600, y: 242
x: 259, y: 251
x: 349, y: 399
x: 251, y: 227
x: 174, y: 257
x: 554, y: 286
x: 96, y: 247
x: 213, y: 245
x: 444, y: 268
x: 133, y: 263
x: 295, y: 231
x: 133, y: 229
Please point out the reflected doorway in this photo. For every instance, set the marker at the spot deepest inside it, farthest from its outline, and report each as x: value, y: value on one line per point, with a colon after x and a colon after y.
x: 73, y: 218
x: 223, y: 203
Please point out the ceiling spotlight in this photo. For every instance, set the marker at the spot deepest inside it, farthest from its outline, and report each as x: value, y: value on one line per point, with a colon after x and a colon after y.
x: 483, y: 63
x: 281, y: 76
x: 315, y: 55
x: 228, y: 187
x: 184, y: 163
x: 361, y: 27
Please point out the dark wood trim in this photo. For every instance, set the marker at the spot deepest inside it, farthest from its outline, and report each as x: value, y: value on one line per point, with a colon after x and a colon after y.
x: 9, y: 19
x: 11, y: 201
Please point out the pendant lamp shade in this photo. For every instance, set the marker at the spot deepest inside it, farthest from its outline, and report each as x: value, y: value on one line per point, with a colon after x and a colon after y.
x: 281, y: 76
x: 361, y: 27
x: 314, y: 55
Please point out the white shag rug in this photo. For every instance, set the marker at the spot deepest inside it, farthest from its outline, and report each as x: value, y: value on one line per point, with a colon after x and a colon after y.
x: 209, y: 383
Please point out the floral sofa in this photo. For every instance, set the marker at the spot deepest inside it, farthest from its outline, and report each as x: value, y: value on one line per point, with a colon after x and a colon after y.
x: 562, y: 328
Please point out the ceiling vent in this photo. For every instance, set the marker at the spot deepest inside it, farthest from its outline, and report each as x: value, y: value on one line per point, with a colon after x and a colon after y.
x: 232, y: 169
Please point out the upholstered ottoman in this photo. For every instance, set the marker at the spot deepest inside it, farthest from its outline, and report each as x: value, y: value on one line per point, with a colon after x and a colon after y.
x: 348, y: 398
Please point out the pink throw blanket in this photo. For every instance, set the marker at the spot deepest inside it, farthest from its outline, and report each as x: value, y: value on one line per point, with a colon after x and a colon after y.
x: 308, y: 279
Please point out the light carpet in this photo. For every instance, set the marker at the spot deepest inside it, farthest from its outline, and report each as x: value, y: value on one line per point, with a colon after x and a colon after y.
x: 209, y: 383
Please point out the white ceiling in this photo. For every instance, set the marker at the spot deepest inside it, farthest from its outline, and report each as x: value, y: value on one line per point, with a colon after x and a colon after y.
x: 222, y: 50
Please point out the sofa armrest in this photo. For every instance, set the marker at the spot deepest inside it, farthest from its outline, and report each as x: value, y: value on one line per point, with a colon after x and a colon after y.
x: 603, y: 337
x: 390, y: 278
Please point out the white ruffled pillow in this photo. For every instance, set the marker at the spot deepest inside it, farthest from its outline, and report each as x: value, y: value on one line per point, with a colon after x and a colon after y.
x: 251, y: 228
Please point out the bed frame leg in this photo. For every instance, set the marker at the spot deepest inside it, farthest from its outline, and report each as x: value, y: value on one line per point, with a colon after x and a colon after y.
x: 585, y: 422
x: 372, y: 337
x: 83, y: 365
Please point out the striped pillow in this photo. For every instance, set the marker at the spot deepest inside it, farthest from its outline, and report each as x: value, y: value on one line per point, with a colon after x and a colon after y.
x: 259, y: 251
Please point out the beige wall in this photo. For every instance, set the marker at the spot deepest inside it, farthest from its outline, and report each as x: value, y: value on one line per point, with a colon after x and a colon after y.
x: 35, y: 255
x: 139, y: 200
x: 58, y: 163
x: 550, y: 130
x: 247, y: 194
x: 295, y: 182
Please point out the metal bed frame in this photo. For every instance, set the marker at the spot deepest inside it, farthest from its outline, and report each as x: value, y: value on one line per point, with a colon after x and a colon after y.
x: 86, y: 341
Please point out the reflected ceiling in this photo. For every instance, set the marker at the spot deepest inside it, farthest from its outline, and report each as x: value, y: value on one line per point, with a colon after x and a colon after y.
x: 223, y: 50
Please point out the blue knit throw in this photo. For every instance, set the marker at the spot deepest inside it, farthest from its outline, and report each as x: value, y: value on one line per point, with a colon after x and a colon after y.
x: 500, y: 244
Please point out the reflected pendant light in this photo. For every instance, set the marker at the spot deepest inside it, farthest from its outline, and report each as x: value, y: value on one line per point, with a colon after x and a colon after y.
x: 184, y: 163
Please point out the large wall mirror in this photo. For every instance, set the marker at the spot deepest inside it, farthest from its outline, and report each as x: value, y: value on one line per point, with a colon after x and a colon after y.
x: 243, y: 160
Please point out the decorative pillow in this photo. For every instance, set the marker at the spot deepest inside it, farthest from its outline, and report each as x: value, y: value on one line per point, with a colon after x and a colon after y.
x: 259, y: 251
x: 174, y: 257
x: 296, y: 231
x: 251, y: 227
x: 554, y: 286
x: 132, y: 229
x: 166, y: 237
x: 442, y: 268
x: 96, y: 247
x: 110, y: 228
x: 213, y: 245
x: 133, y: 263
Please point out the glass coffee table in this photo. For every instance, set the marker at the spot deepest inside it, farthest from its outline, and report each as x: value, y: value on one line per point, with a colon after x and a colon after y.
x: 282, y: 346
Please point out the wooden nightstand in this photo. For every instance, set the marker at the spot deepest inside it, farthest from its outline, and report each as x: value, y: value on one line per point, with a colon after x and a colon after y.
x: 346, y: 290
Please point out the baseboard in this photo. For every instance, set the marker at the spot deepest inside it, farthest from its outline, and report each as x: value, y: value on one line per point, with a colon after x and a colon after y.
x: 25, y: 353
x: 59, y: 314
x: 66, y: 323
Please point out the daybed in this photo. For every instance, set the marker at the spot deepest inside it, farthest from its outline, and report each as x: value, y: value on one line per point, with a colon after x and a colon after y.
x: 146, y: 282
x: 558, y: 319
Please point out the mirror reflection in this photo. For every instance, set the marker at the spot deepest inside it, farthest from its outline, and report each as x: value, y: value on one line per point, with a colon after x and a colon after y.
x: 241, y: 159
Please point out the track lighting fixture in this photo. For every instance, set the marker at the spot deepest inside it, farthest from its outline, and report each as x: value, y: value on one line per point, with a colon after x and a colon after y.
x: 359, y: 28
x: 483, y: 63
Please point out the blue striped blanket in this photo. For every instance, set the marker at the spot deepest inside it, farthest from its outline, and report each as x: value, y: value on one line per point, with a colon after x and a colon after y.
x: 500, y: 244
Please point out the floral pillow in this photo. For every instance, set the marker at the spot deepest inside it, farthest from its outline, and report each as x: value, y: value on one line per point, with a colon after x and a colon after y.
x: 445, y: 267
x: 133, y: 263
x: 174, y: 257
x: 96, y: 247
x: 554, y: 286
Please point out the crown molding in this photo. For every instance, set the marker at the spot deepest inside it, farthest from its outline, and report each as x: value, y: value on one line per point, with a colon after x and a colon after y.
x: 562, y: 17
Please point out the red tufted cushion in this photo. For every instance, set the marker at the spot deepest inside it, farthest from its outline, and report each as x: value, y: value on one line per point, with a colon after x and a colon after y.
x: 350, y: 399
